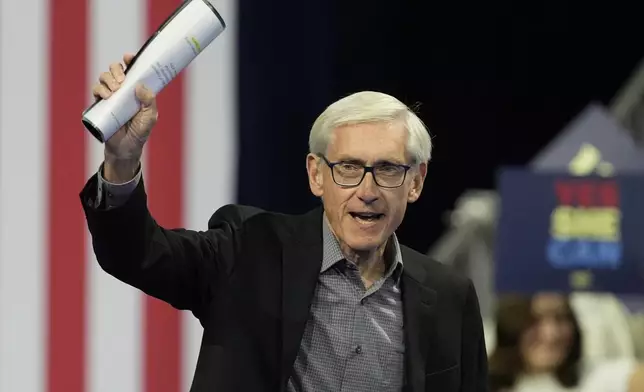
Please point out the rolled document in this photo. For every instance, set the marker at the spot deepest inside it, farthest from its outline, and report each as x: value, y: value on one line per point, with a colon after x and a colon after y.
x: 179, y: 40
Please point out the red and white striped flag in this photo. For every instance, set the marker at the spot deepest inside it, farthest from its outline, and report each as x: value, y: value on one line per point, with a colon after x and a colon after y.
x: 65, y: 325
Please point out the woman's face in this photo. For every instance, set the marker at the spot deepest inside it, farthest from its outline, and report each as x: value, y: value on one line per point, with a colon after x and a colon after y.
x: 545, y: 345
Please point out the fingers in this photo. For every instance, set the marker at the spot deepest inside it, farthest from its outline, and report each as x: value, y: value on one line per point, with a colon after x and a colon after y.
x: 108, y: 80
x: 118, y: 72
x: 127, y: 59
x: 106, y: 87
x: 111, y: 81
x: 101, y: 91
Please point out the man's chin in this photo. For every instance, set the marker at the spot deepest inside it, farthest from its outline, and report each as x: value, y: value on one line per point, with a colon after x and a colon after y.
x: 363, y: 240
x: 365, y: 244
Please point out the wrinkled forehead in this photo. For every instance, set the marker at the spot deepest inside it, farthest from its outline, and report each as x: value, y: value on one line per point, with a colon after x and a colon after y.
x: 369, y: 142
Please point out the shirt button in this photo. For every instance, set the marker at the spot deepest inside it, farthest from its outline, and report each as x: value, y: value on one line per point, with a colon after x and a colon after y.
x: 359, y: 349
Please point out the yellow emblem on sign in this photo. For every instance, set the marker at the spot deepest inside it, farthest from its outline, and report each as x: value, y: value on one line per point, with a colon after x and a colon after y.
x: 580, y: 280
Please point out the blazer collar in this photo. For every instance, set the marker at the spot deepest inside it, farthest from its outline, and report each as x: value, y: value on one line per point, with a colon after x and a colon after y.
x: 301, y: 264
x: 419, y: 306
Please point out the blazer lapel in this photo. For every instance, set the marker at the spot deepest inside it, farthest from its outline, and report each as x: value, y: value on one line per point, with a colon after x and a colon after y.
x: 419, y: 305
x: 301, y: 264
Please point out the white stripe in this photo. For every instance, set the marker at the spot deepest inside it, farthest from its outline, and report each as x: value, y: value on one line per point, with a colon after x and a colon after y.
x: 211, y: 156
x: 115, y: 344
x: 23, y: 179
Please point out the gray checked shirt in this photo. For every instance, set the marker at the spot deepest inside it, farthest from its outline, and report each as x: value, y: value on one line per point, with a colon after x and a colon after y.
x: 353, y: 340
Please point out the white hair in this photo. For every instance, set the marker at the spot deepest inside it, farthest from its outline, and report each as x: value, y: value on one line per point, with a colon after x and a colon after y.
x: 371, y: 107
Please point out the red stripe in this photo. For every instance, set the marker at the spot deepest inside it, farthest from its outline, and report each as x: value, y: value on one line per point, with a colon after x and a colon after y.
x: 66, y: 231
x: 164, y: 183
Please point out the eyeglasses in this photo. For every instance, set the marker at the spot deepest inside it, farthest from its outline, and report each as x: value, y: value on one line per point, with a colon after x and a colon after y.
x: 350, y: 174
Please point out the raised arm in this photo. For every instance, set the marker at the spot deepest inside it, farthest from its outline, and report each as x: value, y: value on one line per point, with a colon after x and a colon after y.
x: 182, y: 267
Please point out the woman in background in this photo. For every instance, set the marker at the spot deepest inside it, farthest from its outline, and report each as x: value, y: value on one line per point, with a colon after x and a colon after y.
x: 538, y: 349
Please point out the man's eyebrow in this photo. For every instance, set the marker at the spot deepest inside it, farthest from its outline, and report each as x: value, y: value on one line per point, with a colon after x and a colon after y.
x: 391, y: 162
x: 386, y: 161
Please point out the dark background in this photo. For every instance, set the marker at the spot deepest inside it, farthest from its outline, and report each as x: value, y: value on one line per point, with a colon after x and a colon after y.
x: 495, y: 81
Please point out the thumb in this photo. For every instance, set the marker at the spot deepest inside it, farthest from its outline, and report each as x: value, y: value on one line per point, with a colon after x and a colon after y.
x: 145, y: 96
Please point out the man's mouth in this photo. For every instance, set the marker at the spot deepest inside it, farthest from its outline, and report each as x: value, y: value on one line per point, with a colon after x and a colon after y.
x: 367, y: 216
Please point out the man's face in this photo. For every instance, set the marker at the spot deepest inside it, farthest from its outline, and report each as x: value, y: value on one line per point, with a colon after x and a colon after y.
x: 364, y: 216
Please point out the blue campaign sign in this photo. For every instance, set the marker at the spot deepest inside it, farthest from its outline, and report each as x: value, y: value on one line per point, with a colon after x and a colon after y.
x: 559, y: 232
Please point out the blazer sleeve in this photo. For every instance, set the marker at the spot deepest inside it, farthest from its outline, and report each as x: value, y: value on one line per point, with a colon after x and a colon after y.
x: 474, y: 369
x: 181, y: 267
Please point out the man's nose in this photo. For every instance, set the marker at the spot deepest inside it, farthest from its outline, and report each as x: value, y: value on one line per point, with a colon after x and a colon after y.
x: 368, y: 190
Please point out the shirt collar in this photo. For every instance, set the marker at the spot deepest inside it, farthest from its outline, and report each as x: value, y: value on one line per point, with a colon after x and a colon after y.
x: 331, y: 253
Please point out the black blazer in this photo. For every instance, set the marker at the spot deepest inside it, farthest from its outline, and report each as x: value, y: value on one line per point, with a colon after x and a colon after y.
x: 250, y: 279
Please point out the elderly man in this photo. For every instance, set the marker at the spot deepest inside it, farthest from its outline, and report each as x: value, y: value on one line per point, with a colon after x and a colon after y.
x: 324, y: 301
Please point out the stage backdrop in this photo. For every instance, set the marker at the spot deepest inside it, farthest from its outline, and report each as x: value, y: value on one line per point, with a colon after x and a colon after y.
x: 65, y: 325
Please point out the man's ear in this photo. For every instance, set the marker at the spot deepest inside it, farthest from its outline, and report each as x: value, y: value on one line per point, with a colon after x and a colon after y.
x: 316, y: 179
x: 418, y: 179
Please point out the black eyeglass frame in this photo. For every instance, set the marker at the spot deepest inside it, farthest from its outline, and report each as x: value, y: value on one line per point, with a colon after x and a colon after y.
x: 367, y: 169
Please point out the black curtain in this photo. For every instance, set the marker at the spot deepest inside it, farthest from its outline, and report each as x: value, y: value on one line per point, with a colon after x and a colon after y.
x: 495, y: 81
x: 285, y: 75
